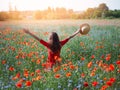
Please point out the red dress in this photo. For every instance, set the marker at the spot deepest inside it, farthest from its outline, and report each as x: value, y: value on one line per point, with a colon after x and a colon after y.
x: 52, y: 55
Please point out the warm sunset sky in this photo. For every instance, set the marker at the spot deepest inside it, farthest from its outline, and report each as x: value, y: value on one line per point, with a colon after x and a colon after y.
x: 76, y: 5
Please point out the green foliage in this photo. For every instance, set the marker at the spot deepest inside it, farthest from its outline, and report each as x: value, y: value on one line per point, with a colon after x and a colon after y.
x: 113, y: 14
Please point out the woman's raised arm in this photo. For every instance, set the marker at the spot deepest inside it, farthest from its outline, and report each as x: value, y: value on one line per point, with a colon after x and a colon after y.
x: 74, y: 34
x: 28, y: 32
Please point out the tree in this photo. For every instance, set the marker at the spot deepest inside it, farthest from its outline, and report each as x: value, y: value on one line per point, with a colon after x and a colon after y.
x: 89, y: 13
x: 3, y: 16
x: 103, y: 7
x: 38, y: 15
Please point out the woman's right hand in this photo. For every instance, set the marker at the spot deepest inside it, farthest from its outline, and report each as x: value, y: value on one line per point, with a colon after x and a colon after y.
x: 26, y: 30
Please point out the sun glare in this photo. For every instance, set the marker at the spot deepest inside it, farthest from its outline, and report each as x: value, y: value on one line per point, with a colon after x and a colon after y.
x: 41, y: 5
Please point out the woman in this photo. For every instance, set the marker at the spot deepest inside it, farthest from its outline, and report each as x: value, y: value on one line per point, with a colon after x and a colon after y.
x: 54, y: 46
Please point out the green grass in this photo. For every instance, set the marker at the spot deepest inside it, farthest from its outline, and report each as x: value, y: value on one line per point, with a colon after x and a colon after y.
x: 103, y: 39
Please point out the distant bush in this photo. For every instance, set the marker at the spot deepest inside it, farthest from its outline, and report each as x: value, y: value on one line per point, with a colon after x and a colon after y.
x: 3, y: 16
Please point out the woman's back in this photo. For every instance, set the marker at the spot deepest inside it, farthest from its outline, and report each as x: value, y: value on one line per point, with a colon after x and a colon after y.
x: 53, y: 55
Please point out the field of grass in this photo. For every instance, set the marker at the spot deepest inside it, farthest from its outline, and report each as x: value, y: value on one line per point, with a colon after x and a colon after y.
x: 88, y: 62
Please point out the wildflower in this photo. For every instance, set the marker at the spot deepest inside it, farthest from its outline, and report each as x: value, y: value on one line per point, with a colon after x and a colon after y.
x: 75, y: 88
x: 93, y: 56
x: 37, y: 71
x: 48, y: 65
x: 82, y: 75
x: 105, y: 79
x: 92, y: 74
x: 89, y: 64
x: 30, y: 54
x: 109, y: 83
x: 28, y: 83
x: 16, y: 76
x: 72, y: 67
x: 85, y: 84
x: 26, y: 73
x: 108, y: 57
x: 112, y: 79
x: 118, y: 62
x: 68, y: 74
x: 100, y: 63
x: 111, y: 67
x: 70, y: 63
x: 3, y: 62
x: 42, y: 56
x: 94, y: 83
x: 43, y: 65
x: 19, y: 63
x: 81, y: 44
x: 82, y: 58
x: 32, y: 74
x: 102, y: 56
x: 11, y: 68
x: 59, y: 59
x: 104, y: 87
x: 38, y: 61
x: 65, y: 69
x: 56, y: 69
x: 18, y: 85
x: 17, y: 57
x: 38, y: 77
x: 57, y: 76
x: 45, y: 33
x: 65, y: 65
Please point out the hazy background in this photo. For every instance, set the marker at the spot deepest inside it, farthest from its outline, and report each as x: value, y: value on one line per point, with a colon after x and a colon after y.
x: 59, y: 9
x: 76, y: 5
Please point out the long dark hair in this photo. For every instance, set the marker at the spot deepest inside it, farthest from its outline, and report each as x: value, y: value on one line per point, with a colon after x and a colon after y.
x: 54, y: 42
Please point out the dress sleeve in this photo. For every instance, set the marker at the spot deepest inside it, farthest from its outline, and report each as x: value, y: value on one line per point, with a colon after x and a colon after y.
x: 46, y: 44
x: 63, y: 42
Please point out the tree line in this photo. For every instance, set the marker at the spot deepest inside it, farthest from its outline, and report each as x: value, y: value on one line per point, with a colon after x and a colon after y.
x: 102, y: 11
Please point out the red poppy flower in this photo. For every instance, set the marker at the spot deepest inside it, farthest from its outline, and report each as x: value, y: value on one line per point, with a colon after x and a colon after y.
x: 82, y: 58
x: 28, y: 83
x: 72, y: 67
x: 68, y: 74
x: 65, y: 69
x: 38, y: 61
x: 57, y: 76
x: 82, y: 75
x: 85, y: 84
x: 11, y: 68
x: 107, y: 58
x: 18, y: 85
x: 109, y: 83
x: 111, y: 67
x: 26, y: 73
x: 93, y: 56
x: 112, y: 79
x: 89, y: 64
x: 118, y: 62
x: 102, y: 56
x: 37, y: 71
x: 104, y: 87
x: 3, y: 62
x: 94, y: 83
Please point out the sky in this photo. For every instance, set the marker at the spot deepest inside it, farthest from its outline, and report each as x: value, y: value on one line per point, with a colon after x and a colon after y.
x: 76, y: 5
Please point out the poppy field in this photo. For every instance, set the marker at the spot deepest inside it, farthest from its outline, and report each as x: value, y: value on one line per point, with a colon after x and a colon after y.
x: 88, y: 62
